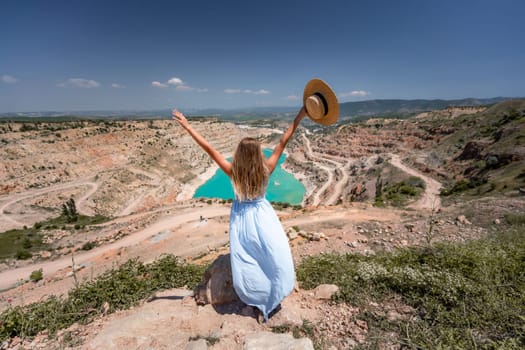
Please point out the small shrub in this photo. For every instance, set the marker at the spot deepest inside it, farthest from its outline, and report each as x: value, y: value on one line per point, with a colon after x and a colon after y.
x: 36, y: 275
x: 515, y: 219
x: 210, y: 340
x: 463, y: 185
x: 27, y: 243
x: 23, y: 254
x: 89, y: 245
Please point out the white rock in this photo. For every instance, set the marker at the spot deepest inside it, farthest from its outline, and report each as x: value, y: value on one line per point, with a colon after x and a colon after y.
x: 275, y: 341
x: 199, y: 344
x: 292, y: 235
x: 463, y: 220
x: 325, y: 291
x: 316, y: 236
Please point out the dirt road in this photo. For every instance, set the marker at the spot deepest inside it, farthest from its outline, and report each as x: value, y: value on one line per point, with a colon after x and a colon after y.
x: 9, y: 278
x: 10, y: 221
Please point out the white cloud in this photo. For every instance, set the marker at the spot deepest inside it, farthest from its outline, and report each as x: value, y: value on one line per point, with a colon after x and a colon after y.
x: 179, y: 85
x: 117, y: 86
x: 80, y: 83
x: 158, y: 84
x: 175, y: 81
x: 9, y: 79
x: 189, y: 88
x: 184, y: 88
x: 232, y: 91
x: 247, y: 91
x: 292, y: 98
x: 359, y: 93
x: 83, y: 83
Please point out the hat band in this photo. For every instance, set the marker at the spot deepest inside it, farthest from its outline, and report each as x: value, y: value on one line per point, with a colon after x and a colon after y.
x: 323, y: 100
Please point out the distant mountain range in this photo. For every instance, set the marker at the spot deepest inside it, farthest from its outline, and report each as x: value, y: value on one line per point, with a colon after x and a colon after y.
x: 407, y: 107
x: 348, y: 110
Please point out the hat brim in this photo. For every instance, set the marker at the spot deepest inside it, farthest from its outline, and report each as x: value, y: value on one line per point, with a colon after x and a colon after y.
x: 318, y: 86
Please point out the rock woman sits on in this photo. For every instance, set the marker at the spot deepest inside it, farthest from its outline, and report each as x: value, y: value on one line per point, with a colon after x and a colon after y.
x: 261, y: 260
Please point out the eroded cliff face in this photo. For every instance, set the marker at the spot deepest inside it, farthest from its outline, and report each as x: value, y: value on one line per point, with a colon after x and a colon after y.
x: 129, y: 165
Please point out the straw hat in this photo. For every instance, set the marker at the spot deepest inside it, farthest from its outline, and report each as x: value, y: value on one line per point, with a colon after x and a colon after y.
x: 320, y: 102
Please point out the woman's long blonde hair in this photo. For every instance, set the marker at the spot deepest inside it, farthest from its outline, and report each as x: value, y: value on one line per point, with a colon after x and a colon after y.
x: 249, y: 170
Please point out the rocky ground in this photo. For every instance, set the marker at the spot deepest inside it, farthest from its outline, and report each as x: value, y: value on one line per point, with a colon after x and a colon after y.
x: 142, y: 175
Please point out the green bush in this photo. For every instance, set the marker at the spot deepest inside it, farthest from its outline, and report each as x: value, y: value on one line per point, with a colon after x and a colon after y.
x: 121, y: 288
x: 465, y: 295
x: 23, y: 254
x: 463, y: 185
x: 398, y: 194
x: 515, y: 219
x: 36, y: 275
x: 27, y: 243
x: 88, y: 245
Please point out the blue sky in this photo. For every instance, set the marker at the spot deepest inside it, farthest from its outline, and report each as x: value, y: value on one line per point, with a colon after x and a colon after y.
x: 92, y: 55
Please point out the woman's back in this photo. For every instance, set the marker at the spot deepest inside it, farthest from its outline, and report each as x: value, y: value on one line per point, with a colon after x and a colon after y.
x: 249, y: 170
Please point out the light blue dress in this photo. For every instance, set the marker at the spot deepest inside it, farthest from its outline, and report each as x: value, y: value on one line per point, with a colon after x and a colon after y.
x: 261, y: 260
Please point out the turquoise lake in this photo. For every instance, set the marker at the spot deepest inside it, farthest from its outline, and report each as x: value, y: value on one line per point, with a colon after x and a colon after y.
x: 283, y: 186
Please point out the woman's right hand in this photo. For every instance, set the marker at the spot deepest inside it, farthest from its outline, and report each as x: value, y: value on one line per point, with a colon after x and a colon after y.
x: 300, y: 115
x: 180, y: 118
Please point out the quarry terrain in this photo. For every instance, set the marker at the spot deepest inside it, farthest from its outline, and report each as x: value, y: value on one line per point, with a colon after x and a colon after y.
x: 373, y: 186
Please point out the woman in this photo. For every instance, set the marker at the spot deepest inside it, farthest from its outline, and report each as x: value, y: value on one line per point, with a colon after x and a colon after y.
x: 261, y: 260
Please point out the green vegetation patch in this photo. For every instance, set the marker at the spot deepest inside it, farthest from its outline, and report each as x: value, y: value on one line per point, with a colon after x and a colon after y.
x: 284, y: 205
x: 120, y: 288
x: 465, y: 296
x: 462, y: 186
x: 22, y: 243
x: 515, y: 219
x: 399, y: 193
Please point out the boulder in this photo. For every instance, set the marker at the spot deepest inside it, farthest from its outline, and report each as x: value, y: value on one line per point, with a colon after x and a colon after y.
x: 325, y: 291
x: 275, y: 341
x: 199, y: 344
x: 463, y: 220
x: 316, y: 236
x: 292, y: 234
x: 472, y: 150
x: 216, y: 287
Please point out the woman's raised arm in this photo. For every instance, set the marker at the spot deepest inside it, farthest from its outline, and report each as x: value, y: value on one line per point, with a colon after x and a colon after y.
x: 279, y: 148
x: 201, y: 141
